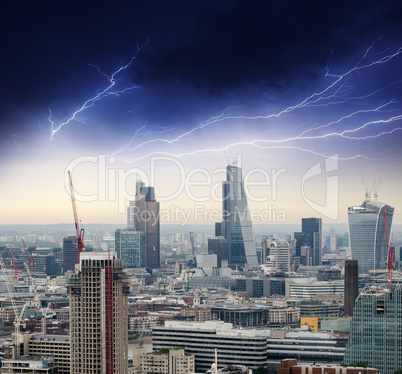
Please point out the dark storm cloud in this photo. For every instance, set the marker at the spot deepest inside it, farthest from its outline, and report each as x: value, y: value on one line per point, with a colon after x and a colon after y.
x: 208, y: 46
x: 267, y: 43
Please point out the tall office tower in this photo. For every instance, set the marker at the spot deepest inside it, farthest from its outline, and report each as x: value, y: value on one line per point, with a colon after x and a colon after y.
x: 219, y: 247
x: 278, y: 259
x: 367, y: 234
x: 130, y: 246
x: 310, y: 235
x: 375, y: 334
x: 236, y: 223
x: 351, y: 285
x: 143, y: 215
x: 98, y: 315
x: 70, y: 253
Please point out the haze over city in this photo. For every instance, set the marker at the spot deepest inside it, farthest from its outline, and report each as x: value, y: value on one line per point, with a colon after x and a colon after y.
x: 304, y: 97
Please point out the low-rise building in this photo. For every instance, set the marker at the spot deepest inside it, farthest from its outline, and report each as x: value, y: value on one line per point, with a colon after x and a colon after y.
x: 240, y: 346
x: 166, y: 361
x: 200, y: 314
x: 290, y: 366
x: 57, y: 346
x: 284, y: 316
x: 29, y: 365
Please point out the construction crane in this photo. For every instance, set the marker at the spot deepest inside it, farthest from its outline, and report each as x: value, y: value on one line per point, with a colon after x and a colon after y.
x: 29, y: 259
x: 15, y: 267
x: 18, y: 316
x: 80, y: 232
x: 390, y: 251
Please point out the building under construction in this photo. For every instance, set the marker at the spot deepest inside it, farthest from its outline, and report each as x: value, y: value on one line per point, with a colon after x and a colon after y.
x: 98, y: 315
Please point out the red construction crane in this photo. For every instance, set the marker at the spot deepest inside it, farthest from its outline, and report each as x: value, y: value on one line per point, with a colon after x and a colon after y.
x: 15, y: 268
x: 80, y: 232
x: 390, y: 251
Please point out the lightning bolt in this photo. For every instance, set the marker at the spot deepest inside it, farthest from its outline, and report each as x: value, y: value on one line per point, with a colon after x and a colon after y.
x: 106, y: 92
x: 335, y: 93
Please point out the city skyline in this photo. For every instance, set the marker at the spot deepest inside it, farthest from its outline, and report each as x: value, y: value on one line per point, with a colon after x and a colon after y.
x: 304, y: 98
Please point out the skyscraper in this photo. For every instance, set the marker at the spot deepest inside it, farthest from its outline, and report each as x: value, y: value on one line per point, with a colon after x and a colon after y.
x: 375, y: 334
x: 98, y: 315
x: 143, y: 215
x: 236, y: 223
x: 367, y: 234
x: 130, y: 246
x: 310, y: 235
x: 351, y: 285
x: 70, y: 253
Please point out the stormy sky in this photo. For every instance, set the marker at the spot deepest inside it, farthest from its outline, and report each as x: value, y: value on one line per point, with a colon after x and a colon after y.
x: 280, y: 84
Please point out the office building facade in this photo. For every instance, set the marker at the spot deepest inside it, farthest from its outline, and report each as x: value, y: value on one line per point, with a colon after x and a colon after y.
x: 219, y: 247
x: 130, y: 246
x: 236, y: 222
x: 98, y: 315
x: 143, y: 215
x: 311, y: 235
x: 367, y: 234
x: 375, y: 334
x: 201, y: 339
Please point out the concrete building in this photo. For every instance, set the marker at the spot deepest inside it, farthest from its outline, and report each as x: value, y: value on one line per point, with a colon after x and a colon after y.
x: 278, y: 256
x: 98, y: 315
x: 176, y: 361
x: 351, y: 285
x: 130, y: 246
x: 307, y: 290
x: 143, y: 215
x: 290, y: 366
x: 319, y: 309
x: 57, y: 346
x: 305, y: 346
x: 284, y: 316
x: 375, y: 334
x: 199, y: 314
x: 201, y: 339
x: 29, y: 365
x: 367, y: 234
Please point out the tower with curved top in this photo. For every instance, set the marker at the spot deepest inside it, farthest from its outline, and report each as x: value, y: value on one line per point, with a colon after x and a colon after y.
x: 367, y: 234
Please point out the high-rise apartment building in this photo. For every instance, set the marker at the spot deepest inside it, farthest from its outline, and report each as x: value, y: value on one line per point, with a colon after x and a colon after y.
x: 367, y: 234
x: 236, y: 223
x: 130, y: 246
x: 311, y: 235
x: 70, y: 253
x: 375, y: 334
x: 143, y: 215
x: 98, y: 315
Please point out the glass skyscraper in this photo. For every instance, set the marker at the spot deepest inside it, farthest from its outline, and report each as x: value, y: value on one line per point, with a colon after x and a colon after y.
x: 310, y: 235
x: 130, y: 246
x: 367, y: 234
x: 375, y: 334
x: 236, y: 222
x: 143, y: 215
